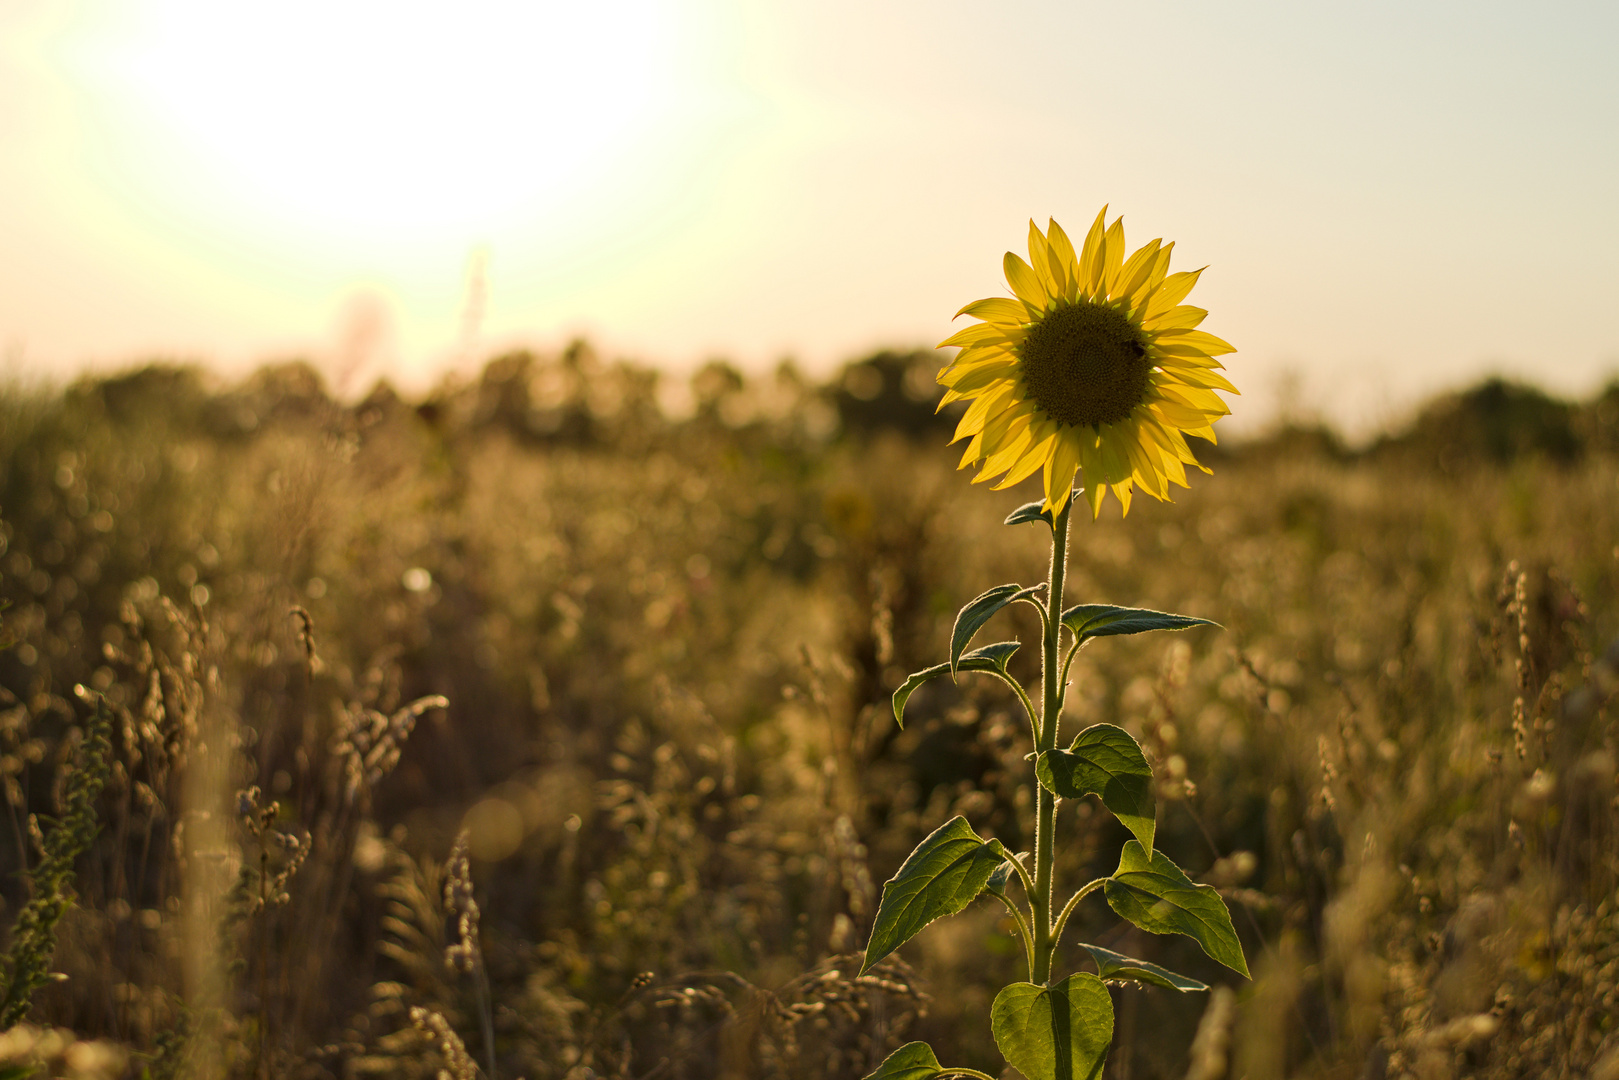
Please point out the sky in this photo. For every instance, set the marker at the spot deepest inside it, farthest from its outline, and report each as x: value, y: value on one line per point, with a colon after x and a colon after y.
x: 1391, y: 199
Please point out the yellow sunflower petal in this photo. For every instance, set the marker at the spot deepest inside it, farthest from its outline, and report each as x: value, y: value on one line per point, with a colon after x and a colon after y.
x: 1168, y: 346
x: 1121, y: 492
x: 984, y: 350
x: 982, y: 408
x: 1175, y: 469
x: 985, y: 354
x: 1112, y: 257
x: 953, y: 395
x: 1169, y: 459
x: 1175, y: 441
x: 1115, y: 465
x: 1090, y: 458
x: 1206, y: 401
x: 1170, y: 362
x: 974, y: 451
x: 1013, y: 445
x: 1034, y: 456
x: 966, y: 377
x: 1171, y: 440
x: 1143, y: 462
x: 1000, y: 310
x: 1039, y: 250
x: 1171, y: 292
x: 1094, y: 494
x: 1047, y: 264
x: 1201, y: 340
x: 1026, y: 284
x: 1160, y: 267
x: 1063, y: 249
x: 1090, y: 263
x: 1184, y: 450
x: 1135, y: 272
x: 1183, y: 317
x: 1006, y: 424
x: 1060, y: 469
x: 1205, y: 378
x: 977, y: 334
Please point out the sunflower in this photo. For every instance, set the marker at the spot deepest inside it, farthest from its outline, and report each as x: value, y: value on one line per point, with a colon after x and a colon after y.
x: 1097, y: 366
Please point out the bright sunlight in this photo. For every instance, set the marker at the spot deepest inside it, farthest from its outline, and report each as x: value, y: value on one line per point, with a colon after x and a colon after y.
x: 379, y: 122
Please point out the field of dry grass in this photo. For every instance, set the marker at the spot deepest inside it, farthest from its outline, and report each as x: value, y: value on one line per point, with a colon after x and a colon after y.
x: 642, y: 666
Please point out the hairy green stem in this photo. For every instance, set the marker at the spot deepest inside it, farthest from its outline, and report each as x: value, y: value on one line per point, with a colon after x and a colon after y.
x: 1022, y: 928
x: 1068, y: 661
x: 1022, y: 873
x: 1068, y: 908
x: 1023, y: 696
x: 1046, y: 739
x: 1045, y: 617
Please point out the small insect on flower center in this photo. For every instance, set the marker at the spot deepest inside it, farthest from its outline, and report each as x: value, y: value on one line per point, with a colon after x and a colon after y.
x: 1086, y: 364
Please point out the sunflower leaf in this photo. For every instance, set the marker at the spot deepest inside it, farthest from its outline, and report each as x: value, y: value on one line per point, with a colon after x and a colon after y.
x: 1156, y: 895
x: 1105, y: 761
x: 1112, y: 967
x: 1028, y: 512
x: 977, y: 613
x: 913, y: 1061
x: 944, y: 874
x: 1105, y: 620
x: 1056, y: 1032
x: 1003, y: 874
x: 988, y: 658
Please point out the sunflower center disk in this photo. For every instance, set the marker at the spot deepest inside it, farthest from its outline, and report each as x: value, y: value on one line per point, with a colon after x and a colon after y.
x: 1086, y: 364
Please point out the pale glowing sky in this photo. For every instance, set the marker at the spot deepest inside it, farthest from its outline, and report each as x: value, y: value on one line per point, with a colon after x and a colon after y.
x: 1392, y: 198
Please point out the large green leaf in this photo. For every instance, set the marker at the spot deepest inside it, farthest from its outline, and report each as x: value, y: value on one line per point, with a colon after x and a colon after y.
x: 1058, y: 1032
x: 1105, y: 620
x: 1157, y: 896
x: 1105, y: 760
x: 913, y: 1061
x: 989, y: 658
x: 977, y: 613
x: 1112, y: 966
x: 942, y: 876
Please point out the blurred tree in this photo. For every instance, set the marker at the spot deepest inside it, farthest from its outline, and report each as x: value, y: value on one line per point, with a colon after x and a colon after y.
x: 891, y: 391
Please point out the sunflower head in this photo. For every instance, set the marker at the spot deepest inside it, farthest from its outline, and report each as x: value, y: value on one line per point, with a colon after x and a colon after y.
x: 1096, y: 367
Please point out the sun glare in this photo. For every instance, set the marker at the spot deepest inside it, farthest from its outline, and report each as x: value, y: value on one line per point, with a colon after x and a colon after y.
x: 383, y: 122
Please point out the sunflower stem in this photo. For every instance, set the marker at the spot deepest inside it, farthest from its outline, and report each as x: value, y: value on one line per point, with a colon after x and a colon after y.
x: 1046, y: 739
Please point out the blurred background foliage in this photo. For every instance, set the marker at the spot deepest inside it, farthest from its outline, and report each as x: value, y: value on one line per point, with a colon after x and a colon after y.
x: 666, y: 638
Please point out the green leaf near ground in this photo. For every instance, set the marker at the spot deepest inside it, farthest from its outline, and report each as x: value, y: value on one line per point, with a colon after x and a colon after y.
x: 913, y: 1061
x: 1105, y: 761
x: 1156, y: 895
x: 1057, y: 1032
x: 1105, y: 620
x: 1112, y: 966
x: 989, y: 658
x: 942, y: 876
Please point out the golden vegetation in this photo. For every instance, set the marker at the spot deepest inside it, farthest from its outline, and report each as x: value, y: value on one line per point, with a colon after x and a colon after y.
x: 642, y: 664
